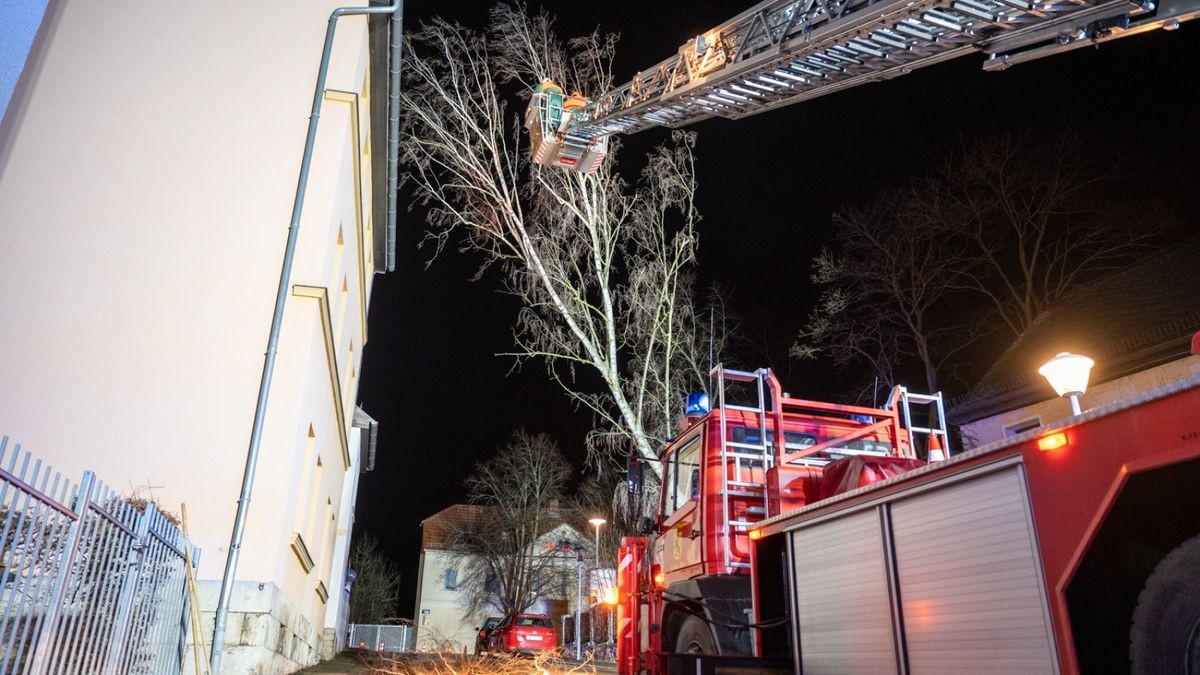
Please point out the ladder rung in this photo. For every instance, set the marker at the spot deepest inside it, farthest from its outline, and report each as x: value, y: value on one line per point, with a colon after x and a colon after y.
x: 739, y: 565
x: 744, y: 493
x: 927, y: 430
x: 746, y: 446
x: 743, y: 523
x: 756, y: 510
x: 748, y: 484
x: 743, y: 408
x: 739, y: 375
x: 745, y: 456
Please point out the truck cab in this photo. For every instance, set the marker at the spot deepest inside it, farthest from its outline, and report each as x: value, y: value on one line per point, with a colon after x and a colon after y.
x: 739, y: 463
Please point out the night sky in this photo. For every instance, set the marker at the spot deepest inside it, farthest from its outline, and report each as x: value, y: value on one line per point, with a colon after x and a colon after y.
x: 768, y: 185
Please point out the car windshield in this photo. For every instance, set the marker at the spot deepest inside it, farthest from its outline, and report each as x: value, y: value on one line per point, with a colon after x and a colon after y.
x: 491, y: 622
x: 537, y: 621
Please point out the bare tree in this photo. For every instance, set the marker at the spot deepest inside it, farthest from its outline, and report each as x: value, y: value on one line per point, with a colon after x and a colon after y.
x: 1040, y: 216
x: 520, y: 491
x: 374, y: 596
x: 889, y: 272
x: 601, y: 265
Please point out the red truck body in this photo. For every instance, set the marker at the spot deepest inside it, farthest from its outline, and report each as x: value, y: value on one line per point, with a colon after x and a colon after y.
x: 1026, y: 555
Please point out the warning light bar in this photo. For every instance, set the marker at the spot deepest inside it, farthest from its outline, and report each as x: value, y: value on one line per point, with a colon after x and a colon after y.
x: 755, y: 535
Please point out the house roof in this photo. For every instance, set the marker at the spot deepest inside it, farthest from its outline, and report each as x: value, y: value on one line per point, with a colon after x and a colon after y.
x: 436, y: 529
x: 1140, y: 316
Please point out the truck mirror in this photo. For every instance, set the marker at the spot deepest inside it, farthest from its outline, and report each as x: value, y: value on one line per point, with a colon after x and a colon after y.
x: 635, y: 477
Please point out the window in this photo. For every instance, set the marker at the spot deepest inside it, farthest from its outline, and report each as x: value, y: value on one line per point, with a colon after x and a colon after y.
x: 1022, y: 426
x: 451, y: 580
x: 683, y: 475
x: 537, y: 621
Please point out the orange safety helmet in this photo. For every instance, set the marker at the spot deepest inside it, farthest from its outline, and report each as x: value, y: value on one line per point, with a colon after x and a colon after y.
x: 575, y: 101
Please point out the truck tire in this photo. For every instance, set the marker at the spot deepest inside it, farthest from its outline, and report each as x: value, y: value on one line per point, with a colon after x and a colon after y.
x: 695, y: 638
x: 1164, y: 638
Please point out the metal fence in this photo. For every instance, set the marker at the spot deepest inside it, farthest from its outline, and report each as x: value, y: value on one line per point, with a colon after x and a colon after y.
x: 379, y: 638
x: 89, y: 582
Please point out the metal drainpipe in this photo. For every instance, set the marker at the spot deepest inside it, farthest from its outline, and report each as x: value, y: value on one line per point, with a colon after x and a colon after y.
x: 239, y: 522
x: 395, y: 39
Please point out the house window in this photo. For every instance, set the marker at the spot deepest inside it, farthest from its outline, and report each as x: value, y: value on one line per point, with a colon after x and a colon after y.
x: 451, y: 580
x: 1022, y: 426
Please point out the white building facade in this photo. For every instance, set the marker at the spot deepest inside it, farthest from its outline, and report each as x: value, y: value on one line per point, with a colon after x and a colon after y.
x: 148, y: 164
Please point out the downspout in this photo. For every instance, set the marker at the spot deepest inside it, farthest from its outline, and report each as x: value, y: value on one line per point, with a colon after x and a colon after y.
x: 395, y: 41
x: 285, y: 274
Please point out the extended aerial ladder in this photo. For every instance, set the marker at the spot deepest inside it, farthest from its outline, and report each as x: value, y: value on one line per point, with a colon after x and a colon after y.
x: 781, y: 52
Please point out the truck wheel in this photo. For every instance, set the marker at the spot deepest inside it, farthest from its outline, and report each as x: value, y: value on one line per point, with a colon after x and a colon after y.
x: 1165, y: 634
x: 695, y: 638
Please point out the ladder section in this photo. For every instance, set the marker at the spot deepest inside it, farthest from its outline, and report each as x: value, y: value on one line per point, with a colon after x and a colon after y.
x: 780, y: 52
x: 744, y: 462
x: 937, y: 440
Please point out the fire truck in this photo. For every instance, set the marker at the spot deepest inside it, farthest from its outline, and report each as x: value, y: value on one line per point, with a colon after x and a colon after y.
x: 809, y: 537
x: 799, y: 536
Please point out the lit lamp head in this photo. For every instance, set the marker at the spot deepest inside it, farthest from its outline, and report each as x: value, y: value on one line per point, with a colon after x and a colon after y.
x: 1068, y: 375
x: 596, y: 522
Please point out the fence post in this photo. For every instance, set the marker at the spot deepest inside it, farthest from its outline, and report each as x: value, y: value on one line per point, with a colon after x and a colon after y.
x: 46, y: 639
x: 121, y: 625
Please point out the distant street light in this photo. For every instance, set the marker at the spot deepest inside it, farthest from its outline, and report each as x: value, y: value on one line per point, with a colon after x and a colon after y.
x: 1068, y: 375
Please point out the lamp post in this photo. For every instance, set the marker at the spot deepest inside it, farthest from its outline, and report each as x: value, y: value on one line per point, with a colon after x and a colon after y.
x: 1068, y: 375
x: 578, y: 602
x: 596, y: 523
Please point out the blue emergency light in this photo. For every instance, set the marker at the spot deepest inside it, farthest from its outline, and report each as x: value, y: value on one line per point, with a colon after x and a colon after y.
x: 697, y: 403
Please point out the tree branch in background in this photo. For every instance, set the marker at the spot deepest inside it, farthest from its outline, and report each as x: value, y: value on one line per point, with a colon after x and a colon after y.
x: 602, y: 267
x: 519, y: 492
x: 375, y: 594
x: 1041, y: 215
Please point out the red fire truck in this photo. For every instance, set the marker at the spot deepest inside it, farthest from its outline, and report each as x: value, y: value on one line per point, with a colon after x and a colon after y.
x: 797, y: 536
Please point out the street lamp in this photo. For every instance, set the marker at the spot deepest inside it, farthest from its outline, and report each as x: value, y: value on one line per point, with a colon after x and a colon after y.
x: 1068, y: 375
x: 596, y: 523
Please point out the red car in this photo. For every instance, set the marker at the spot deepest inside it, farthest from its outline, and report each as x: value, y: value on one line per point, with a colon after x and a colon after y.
x: 523, y: 634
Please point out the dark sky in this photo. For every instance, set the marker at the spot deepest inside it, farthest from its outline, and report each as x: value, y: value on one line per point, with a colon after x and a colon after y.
x: 767, y: 187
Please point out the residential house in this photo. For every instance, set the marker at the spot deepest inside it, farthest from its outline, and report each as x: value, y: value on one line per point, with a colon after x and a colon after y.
x: 1138, y: 324
x: 149, y: 157
x: 444, y: 622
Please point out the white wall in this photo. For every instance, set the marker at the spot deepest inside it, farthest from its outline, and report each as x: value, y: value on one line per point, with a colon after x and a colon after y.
x: 147, y: 175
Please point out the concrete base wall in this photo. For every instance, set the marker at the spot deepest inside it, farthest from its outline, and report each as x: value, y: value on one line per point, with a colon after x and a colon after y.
x: 264, y: 635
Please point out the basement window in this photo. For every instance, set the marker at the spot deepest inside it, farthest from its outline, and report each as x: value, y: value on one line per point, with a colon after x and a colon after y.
x: 1022, y: 426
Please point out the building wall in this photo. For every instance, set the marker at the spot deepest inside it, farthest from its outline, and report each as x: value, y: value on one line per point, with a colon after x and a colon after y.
x: 148, y: 166
x: 996, y: 427
x: 442, y: 622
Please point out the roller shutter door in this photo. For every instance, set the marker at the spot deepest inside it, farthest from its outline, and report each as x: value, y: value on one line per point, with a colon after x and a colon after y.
x: 842, y: 603
x: 970, y: 579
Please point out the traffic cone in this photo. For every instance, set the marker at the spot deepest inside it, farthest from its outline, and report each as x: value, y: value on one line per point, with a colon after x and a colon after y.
x: 936, y: 451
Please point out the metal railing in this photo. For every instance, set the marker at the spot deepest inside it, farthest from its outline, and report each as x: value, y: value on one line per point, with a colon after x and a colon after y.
x: 390, y: 639
x: 89, y: 582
